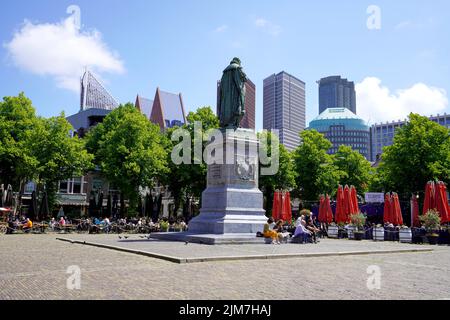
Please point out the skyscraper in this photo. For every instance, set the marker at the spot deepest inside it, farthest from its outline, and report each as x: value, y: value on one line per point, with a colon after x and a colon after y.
x: 94, y: 95
x: 248, y: 121
x: 284, y: 107
x: 335, y: 92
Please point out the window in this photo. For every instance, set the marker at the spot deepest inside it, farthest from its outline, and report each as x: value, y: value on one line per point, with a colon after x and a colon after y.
x: 30, y: 187
x: 72, y: 186
x: 77, y: 186
x: 63, y: 186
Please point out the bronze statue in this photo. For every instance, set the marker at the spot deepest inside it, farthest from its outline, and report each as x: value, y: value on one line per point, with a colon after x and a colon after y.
x: 231, y: 100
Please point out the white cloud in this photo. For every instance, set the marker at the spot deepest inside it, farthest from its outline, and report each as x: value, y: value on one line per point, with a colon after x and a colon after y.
x: 267, y: 26
x: 376, y: 103
x: 222, y: 28
x: 62, y: 51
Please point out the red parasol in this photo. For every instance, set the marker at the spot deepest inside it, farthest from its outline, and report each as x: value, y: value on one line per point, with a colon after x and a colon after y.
x: 354, y: 199
x: 328, y: 211
x: 321, y: 217
x: 276, y: 206
x: 340, y: 206
x: 387, y: 217
x: 286, y: 212
x: 442, y: 202
x: 347, y: 203
x: 415, y: 222
x: 397, y: 211
x: 430, y: 198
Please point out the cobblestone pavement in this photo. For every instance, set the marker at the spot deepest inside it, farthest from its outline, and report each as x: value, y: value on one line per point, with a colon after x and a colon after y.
x: 34, y: 267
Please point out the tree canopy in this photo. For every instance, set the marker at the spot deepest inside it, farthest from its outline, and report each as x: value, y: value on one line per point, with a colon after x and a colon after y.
x: 420, y: 152
x: 128, y: 150
x: 353, y: 168
x: 316, y: 172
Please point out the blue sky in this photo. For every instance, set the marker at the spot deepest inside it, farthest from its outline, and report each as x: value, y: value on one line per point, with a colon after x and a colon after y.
x: 183, y: 46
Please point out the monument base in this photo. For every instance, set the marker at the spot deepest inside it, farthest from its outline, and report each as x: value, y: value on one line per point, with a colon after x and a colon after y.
x: 209, y: 239
x: 232, y: 205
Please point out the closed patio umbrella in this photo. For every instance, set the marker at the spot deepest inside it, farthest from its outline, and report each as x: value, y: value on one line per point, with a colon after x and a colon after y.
x: 442, y: 202
x: 354, y: 198
x: 109, y: 206
x: 430, y: 197
x: 100, y: 203
x: 2, y: 195
x: 347, y: 203
x: 397, y: 211
x: 287, y: 209
x: 149, y: 205
x: 43, y: 209
x: 33, y: 212
x: 8, y: 202
x: 276, y: 206
x: 340, y: 211
x: 387, y: 215
x: 322, y: 216
x: 328, y: 211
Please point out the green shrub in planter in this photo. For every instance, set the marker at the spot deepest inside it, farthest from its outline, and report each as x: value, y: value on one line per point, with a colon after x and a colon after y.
x: 432, y: 223
x: 358, y: 221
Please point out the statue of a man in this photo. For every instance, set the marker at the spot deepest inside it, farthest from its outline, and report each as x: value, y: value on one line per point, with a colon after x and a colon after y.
x: 231, y: 107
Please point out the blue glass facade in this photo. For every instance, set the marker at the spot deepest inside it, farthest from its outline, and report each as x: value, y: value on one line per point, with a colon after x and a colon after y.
x: 342, y: 127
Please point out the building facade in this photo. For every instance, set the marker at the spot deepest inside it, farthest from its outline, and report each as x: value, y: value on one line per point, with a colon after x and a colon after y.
x: 382, y: 134
x: 167, y: 110
x: 249, y: 120
x: 284, y: 107
x: 94, y: 95
x: 342, y: 127
x: 336, y: 92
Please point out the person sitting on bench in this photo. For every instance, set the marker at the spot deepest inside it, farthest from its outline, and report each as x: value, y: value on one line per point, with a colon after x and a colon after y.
x: 270, y: 233
x: 301, y: 233
x: 27, y: 226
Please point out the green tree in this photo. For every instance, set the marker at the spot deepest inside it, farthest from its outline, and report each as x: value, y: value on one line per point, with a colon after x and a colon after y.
x: 353, y: 168
x: 186, y: 181
x: 316, y: 172
x: 420, y: 152
x: 129, y: 151
x: 17, y: 122
x: 60, y: 155
x: 284, y: 178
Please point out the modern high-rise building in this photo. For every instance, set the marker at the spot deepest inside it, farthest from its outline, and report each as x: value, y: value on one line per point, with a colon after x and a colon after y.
x: 382, y: 134
x: 342, y: 127
x: 248, y: 121
x: 284, y: 107
x: 335, y: 92
x: 94, y: 95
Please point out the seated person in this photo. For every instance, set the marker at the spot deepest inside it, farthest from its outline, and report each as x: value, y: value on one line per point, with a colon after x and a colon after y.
x: 282, y: 234
x: 301, y: 232
x: 27, y: 226
x: 312, y: 228
x: 270, y: 233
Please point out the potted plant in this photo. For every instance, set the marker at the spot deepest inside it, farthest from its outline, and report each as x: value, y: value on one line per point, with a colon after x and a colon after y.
x: 358, y: 221
x: 341, y: 230
x: 432, y: 223
x: 333, y: 231
x: 378, y: 233
x: 405, y: 234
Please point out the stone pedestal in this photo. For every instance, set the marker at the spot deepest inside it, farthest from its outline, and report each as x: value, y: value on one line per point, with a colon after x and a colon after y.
x: 232, y: 205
